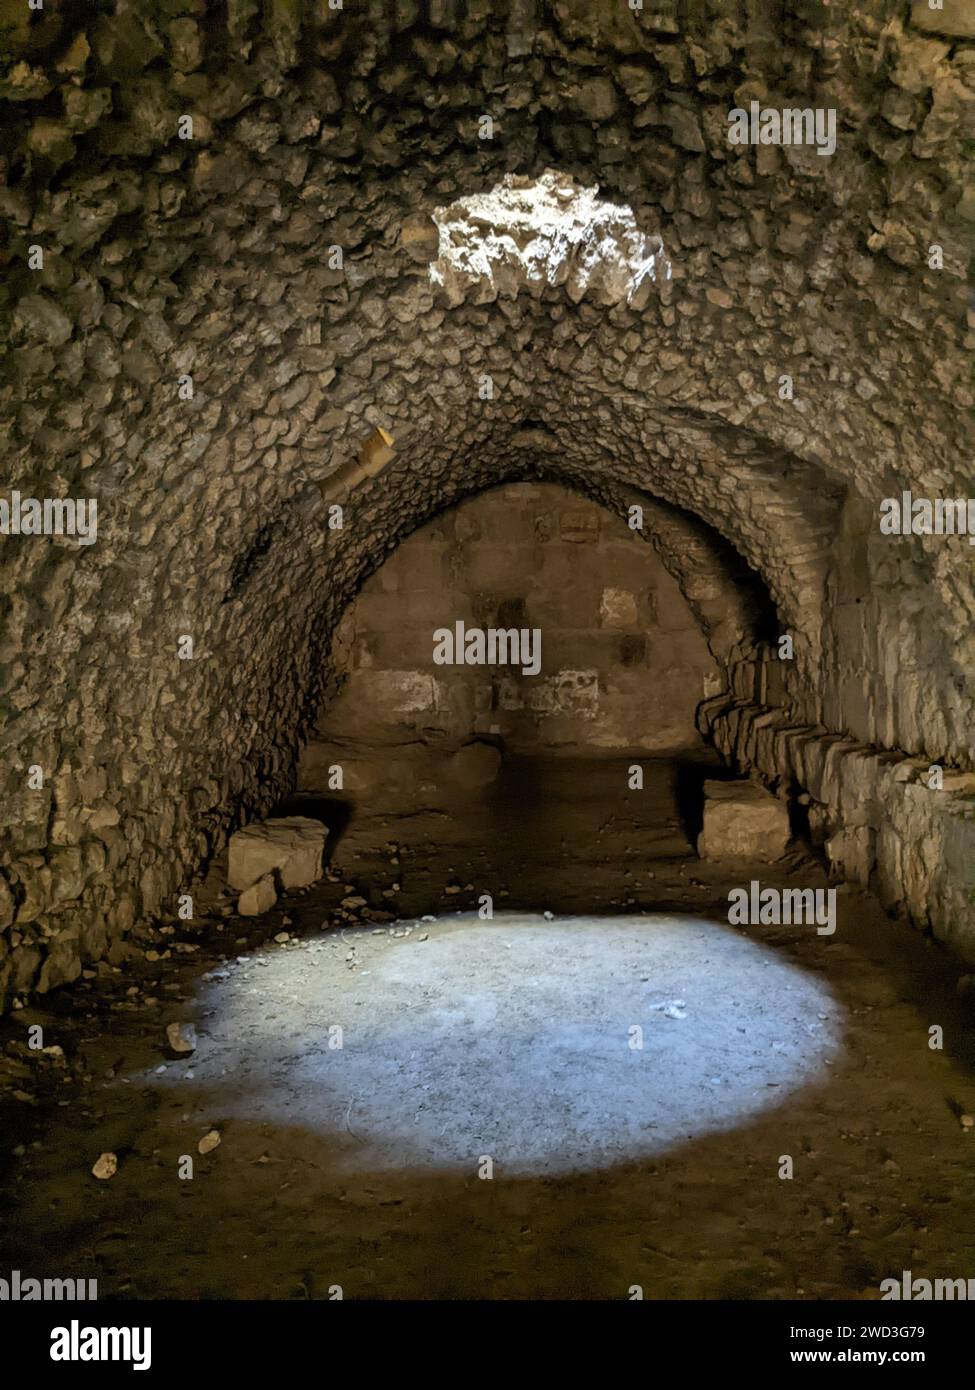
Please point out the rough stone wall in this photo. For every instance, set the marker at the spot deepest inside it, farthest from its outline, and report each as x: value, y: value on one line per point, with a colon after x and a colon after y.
x: 623, y: 662
x: 883, y: 821
x: 169, y: 256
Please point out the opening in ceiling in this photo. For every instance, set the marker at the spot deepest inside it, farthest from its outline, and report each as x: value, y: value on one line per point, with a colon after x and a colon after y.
x: 527, y: 234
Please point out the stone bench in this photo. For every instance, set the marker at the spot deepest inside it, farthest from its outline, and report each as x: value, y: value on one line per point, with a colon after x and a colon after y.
x: 743, y: 821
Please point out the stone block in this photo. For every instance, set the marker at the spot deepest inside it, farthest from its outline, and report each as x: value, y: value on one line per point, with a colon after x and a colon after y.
x: 954, y: 17
x: 851, y: 853
x: 293, y: 845
x: 618, y: 608
x: 259, y: 898
x: 420, y: 238
x: 579, y: 527
x: 398, y: 695
x: 742, y: 821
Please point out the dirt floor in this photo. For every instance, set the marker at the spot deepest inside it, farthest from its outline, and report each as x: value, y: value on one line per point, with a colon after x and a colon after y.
x: 358, y: 1159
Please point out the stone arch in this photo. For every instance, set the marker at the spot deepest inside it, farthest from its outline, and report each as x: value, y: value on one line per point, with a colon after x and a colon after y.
x: 205, y: 260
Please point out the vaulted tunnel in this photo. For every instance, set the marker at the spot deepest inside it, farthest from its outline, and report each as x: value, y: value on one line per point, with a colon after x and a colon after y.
x: 289, y: 286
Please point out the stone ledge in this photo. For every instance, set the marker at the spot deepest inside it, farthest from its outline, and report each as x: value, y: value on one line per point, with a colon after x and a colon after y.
x: 913, y: 846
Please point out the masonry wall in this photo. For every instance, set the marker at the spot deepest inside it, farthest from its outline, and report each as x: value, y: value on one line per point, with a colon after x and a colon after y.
x: 172, y: 260
x: 623, y: 662
x: 903, y: 827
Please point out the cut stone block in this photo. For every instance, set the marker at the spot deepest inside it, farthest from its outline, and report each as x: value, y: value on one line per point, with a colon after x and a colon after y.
x: 618, y: 608
x: 852, y: 853
x: 293, y: 845
x: 260, y: 897
x: 743, y: 821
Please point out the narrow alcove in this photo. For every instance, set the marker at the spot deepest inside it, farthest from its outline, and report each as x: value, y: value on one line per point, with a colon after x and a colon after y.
x: 427, y: 737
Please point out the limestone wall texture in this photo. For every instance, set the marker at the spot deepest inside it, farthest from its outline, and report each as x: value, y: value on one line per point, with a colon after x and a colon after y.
x: 883, y: 820
x: 191, y: 352
x: 623, y: 663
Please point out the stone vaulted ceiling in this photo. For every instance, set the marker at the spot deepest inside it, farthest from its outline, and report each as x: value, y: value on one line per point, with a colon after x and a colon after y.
x: 212, y: 258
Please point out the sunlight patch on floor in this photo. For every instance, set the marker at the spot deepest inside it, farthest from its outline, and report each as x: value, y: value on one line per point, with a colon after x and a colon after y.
x: 545, y: 1046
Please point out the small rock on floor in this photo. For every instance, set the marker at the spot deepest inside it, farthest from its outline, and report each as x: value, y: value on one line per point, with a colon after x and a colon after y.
x: 209, y: 1142
x: 105, y: 1167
